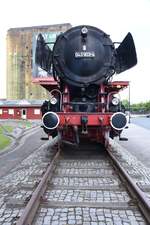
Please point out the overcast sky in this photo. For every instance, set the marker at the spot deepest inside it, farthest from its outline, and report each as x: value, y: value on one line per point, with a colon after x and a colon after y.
x: 116, y: 17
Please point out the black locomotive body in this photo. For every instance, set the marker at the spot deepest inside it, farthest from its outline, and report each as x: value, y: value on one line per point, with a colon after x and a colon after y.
x: 83, y: 99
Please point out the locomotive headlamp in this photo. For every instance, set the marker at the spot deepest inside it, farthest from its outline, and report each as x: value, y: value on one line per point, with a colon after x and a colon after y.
x: 84, y: 31
x: 53, y: 101
x: 115, y: 101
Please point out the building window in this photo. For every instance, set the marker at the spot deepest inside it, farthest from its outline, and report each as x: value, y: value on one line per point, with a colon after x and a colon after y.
x: 11, y: 111
x: 1, y: 111
x: 37, y: 111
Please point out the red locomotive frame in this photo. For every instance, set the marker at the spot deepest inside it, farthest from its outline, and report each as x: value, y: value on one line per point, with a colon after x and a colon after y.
x: 98, y: 123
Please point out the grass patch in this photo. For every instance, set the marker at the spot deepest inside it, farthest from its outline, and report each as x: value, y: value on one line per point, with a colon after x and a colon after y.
x: 4, y: 141
x: 6, y: 128
x: 25, y: 124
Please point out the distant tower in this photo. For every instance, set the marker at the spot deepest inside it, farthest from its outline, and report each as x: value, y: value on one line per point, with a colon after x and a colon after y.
x: 19, y: 61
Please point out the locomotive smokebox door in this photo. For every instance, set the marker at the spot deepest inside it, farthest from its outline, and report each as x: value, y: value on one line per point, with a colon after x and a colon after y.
x: 83, y: 56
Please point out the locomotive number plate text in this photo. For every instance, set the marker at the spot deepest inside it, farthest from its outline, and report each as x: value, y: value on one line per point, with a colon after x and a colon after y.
x: 84, y: 54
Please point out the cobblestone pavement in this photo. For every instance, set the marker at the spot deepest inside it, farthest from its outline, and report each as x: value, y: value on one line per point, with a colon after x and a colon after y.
x: 95, y: 196
x: 139, y: 173
x: 11, y: 185
x: 84, y: 181
x: 88, y: 216
x: 88, y: 191
x: 84, y: 191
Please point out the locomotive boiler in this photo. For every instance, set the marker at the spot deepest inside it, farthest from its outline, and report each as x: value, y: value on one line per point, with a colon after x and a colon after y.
x: 82, y: 102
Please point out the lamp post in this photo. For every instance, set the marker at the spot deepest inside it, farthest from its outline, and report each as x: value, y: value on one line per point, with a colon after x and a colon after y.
x: 129, y: 104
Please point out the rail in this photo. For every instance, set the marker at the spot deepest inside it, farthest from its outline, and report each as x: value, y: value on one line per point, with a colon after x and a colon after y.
x: 33, y: 204
x: 142, y: 201
x: 138, y: 197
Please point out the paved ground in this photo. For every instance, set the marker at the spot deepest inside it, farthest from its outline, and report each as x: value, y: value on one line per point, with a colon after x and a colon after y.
x: 26, y: 145
x: 28, y: 172
x: 138, y: 142
x: 83, y: 191
x: 141, y: 121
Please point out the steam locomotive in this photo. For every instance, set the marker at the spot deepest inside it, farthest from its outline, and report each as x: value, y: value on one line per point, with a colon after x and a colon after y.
x: 82, y: 102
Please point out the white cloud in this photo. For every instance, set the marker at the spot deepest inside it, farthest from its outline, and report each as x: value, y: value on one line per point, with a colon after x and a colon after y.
x: 114, y: 17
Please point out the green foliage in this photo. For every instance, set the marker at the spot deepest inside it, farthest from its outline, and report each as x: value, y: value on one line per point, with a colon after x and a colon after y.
x: 5, y: 128
x: 141, y: 107
x: 125, y: 102
x: 4, y: 140
x: 25, y: 124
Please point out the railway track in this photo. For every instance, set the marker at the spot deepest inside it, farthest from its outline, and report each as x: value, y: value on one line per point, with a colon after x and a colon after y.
x: 87, y: 186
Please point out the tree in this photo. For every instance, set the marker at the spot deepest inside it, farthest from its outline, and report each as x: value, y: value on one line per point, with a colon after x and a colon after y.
x: 125, y: 102
x: 141, y: 107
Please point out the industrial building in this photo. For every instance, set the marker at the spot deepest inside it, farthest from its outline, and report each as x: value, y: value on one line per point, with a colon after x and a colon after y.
x: 21, y: 43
